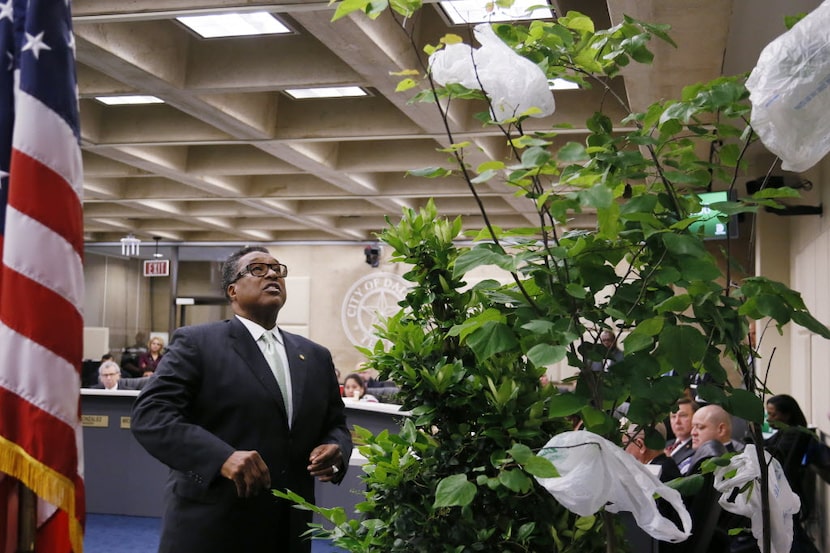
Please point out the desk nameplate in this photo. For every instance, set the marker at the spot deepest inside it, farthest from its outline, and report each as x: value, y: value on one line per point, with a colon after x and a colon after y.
x: 95, y: 421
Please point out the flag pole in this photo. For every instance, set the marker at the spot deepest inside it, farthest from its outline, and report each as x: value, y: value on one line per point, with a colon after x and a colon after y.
x: 27, y: 520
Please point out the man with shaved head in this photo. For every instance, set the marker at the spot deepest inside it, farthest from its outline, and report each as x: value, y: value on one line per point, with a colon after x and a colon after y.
x: 711, y: 422
x: 711, y: 436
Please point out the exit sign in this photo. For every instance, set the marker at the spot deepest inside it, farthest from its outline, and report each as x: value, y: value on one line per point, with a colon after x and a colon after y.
x: 156, y: 267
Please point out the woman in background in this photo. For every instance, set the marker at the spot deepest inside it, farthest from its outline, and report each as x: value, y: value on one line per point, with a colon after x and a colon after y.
x: 789, y: 445
x: 355, y: 388
x: 147, y: 362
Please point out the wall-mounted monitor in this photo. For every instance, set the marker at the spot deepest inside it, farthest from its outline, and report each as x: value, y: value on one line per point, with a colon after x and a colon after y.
x: 714, y: 223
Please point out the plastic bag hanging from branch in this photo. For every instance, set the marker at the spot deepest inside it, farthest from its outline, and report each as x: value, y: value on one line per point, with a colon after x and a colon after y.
x: 596, y: 473
x: 790, y: 92
x: 513, y: 84
x: 783, y: 503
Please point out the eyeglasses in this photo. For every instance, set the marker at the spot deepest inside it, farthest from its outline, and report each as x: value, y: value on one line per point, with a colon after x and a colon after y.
x: 259, y: 270
x: 110, y: 374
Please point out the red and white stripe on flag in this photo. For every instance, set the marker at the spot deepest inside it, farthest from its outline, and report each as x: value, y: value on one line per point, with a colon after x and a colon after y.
x: 41, y: 274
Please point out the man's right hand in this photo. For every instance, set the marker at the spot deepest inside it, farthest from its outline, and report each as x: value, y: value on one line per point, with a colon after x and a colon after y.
x: 248, y: 472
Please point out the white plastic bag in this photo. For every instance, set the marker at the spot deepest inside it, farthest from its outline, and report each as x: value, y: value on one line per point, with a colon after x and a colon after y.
x: 514, y: 84
x: 783, y: 503
x: 596, y: 473
x: 790, y: 92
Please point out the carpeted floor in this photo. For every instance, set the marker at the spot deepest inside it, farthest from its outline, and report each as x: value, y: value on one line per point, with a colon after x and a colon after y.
x: 119, y: 534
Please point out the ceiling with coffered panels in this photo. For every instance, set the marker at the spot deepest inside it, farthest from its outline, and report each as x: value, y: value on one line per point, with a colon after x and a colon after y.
x: 230, y: 157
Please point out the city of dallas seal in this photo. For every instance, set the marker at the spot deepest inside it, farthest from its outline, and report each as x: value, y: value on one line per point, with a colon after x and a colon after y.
x: 368, y: 300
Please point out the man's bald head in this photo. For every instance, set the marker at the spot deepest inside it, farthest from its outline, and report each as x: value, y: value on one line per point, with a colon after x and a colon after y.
x: 711, y: 422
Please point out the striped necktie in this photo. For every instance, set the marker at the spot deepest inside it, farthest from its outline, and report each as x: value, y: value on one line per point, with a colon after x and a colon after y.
x: 275, y: 362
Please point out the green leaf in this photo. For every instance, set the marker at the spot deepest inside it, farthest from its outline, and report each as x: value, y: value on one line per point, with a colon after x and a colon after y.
x: 675, y: 304
x: 773, y: 306
x: 474, y: 323
x: 539, y: 326
x: 454, y: 491
x: 638, y: 342
x: 729, y: 155
x: 683, y: 244
x: 649, y: 327
x: 372, y: 8
x: 477, y: 257
x: 490, y: 166
x: 540, y: 467
x: 525, y: 531
x: 572, y: 152
x: 598, y: 196
x: 576, y: 290
x: 578, y: 22
x: 566, y: 404
x: 521, y: 453
x: 688, y: 486
x: 811, y: 323
x: 585, y: 523
x: 430, y: 172
x: 484, y: 177
x: 535, y: 157
x: 516, y: 481
x: 701, y: 268
x: 492, y: 338
x: 682, y: 346
x: 406, y: 84
x: 542, y: 355
x: 772, y: 193
x: 746, y: 405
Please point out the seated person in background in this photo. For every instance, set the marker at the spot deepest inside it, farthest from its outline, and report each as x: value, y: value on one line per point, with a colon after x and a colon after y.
x: 109, y: 375
x: 370, y: 378
x: 713, y: 529
x: 147, y: 362
x: 789, y: 445
x: 637, y: 448
x: 634, y: 442
x: 611, y: 353
x: 130, y: 355
x: 355, y: 388
x: 680, y: 448
x: 711, y: 437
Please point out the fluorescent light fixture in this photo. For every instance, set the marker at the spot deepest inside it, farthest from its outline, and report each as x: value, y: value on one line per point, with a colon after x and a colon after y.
x: 462, y: 12
x: 326, y: 92
x: 234, y: 24
x: 128, y: 100
x: 562, y: 84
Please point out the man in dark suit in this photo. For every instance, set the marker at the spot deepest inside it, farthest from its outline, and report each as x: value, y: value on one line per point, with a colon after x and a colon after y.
x: 680, y: 448
x: 216, y: 414
x: 635, y: 445
x: 109, y: 378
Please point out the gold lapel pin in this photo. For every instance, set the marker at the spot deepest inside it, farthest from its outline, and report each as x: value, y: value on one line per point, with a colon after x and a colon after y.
x: 302, y: 357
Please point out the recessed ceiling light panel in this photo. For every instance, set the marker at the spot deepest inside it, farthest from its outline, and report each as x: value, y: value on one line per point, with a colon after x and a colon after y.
x: 462, y: 12
x: 132, y: 100
x: 326, y: 92
x: 234, y: 24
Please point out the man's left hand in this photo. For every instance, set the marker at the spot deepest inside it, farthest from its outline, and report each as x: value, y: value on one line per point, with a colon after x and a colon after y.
x: 326, y: 462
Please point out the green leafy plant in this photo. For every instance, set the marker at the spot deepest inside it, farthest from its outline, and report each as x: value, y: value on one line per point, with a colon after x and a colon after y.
x: 460, y: 474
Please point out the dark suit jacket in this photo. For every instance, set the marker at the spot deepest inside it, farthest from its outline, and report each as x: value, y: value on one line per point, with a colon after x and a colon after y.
x: 214, y: 393
x: 683, y: 452
x: 668, y: 468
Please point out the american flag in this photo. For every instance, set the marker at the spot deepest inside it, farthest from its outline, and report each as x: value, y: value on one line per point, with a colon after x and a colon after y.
x: 41, y: 274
